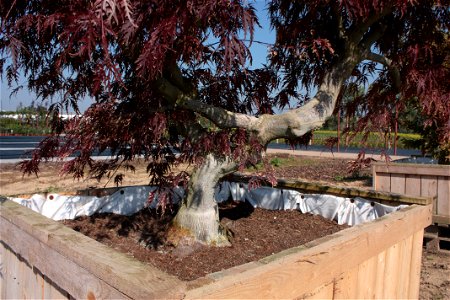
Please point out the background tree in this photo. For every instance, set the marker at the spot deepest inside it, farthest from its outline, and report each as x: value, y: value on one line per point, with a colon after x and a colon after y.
x: 158, y: 69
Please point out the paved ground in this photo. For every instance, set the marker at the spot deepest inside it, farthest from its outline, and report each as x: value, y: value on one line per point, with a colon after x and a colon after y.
x: 343, y: 155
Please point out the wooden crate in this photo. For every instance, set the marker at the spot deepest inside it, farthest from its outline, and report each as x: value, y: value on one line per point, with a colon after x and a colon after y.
x: 417, y: 180
x: 41, y: 258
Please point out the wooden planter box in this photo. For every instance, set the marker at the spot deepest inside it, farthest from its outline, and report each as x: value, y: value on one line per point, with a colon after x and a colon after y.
x: 41, y: 258
x: 417, y: 180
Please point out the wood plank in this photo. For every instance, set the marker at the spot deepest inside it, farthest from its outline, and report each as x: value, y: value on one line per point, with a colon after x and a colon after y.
x: 391, y: 272
x: 2, y: 271
x: 56, y: 266
x: 32, y: 289
x: 367, y: 278
x: 323, y: 292
x: 415, y: 265
x: 412, y: 185
x: 54, y: 291
x: 428, y: 188
x: 13, y: 274
x: 398, y: 182
x: 346, y: 286
x: 412, y: 169
x: 379, y: 278
x: 383, y: 182
x: 405, y: 267
x: 322, y: 261
x: 443, y: 201
x: 308, y: 187
x: 127, y: 275
x: 437, y: 219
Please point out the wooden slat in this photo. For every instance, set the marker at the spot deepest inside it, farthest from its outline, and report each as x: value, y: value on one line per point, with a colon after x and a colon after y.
x: 380, y: 273
x: 367, y: 278
x: 323, y: 292
x: 383, y: 182
x: 66, y: 274
x: 428, y: 188
x: 5, y: 262
x: 321, y: 263
x: 308, y: 187
x: 412, y: 169
x: 32, y: 288
x: 412, y: 185
x: 13, y: 275
x: 391, y: 272
x: 2, y: 271
x: 437, y: 219
x: 346, y: 286
x: 125, y: 274
x: 398, y: 183
x: 443, y: 201
x: 405, y: 266
x: 415, y: 265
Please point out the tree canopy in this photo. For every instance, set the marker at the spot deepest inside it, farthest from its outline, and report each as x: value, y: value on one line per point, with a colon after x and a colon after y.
x: 181, y: 71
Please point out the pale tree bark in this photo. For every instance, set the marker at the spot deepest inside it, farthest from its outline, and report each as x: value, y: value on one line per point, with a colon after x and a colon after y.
x: 199, y: 213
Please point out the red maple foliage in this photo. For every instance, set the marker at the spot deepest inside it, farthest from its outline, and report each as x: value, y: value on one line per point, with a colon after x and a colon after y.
x: 179, y: 72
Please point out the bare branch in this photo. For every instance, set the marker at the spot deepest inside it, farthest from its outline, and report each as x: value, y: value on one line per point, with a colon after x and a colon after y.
x: 387, y: 63
x: 373, y: 35
x: 291, y: 124
x: 359, y: 30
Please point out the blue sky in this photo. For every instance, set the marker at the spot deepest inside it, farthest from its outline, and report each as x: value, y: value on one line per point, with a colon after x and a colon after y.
x: 259, y: 53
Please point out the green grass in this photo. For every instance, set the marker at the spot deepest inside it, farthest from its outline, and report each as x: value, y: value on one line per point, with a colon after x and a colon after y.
x: 374, y: 140
x: 12, y: 126
x: 287, y: 161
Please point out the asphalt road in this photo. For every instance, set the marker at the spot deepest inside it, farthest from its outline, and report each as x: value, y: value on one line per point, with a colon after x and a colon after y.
x: 16, y: 148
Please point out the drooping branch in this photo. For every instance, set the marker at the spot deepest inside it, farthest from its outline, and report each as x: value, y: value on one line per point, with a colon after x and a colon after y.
x: 291, y: 124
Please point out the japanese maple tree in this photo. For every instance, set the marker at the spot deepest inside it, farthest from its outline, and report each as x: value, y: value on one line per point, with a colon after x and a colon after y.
x: 180, y: 72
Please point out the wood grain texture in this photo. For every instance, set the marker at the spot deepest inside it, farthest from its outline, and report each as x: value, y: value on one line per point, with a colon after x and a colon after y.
x: 398, y: 182
x: 430, y: 181
x: 62, y: 272
x: 428, y: 188
x: 412, y: 185
x: 443, y: 201
x: 405, y: 267
x: 379, y: 278
x: 346, y: 285
x: 378, y: 195
x: 323, y: 292
x: 322, y: 263
x: 322, y: 268
x: 412, y: 169
x: 102, y: 266
x: 383, y: 182
x: 415, y: 265
x: 367, y: 278
x: 391, y: 272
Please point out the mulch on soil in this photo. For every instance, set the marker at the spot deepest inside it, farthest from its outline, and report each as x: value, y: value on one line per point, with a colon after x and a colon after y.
x: 255, y: 233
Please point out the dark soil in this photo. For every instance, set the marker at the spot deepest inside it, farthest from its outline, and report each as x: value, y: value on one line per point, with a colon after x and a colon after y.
x: 255, y: 233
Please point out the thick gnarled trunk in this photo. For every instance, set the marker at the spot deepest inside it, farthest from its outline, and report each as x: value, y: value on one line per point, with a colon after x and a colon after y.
x: 199, y: 213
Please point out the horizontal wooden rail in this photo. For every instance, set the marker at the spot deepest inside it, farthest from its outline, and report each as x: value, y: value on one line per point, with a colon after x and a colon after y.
x: 309, y: 187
